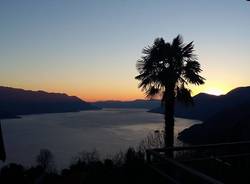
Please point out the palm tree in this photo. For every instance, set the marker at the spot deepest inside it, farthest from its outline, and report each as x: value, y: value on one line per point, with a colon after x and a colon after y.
x: 165, y: 69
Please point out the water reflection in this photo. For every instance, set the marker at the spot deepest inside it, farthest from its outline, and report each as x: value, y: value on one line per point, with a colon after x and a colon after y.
x: 66, y: 134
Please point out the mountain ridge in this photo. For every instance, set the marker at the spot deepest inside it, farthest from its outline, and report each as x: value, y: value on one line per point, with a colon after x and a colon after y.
x: 138, y: 103
x: 232, y: 123
x: 207, y: 105
x: 17, y: 101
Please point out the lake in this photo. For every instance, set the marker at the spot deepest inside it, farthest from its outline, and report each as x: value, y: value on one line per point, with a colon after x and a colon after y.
x: 67, y: 134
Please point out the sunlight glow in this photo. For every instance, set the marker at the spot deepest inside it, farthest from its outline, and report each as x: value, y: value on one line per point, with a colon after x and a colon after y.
x: 216, y: 92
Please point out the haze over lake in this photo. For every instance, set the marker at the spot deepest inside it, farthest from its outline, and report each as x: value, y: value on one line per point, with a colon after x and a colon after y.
x: 67, y: 134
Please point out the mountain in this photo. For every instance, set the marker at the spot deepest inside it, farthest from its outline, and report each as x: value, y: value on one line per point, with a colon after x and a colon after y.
x: 205, y: 105
x: 231, y: 124
x: 143, y: 104
x: 15, y: 101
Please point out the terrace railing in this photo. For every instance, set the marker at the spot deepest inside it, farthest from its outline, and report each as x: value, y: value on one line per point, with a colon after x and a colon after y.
x: 206, y: 164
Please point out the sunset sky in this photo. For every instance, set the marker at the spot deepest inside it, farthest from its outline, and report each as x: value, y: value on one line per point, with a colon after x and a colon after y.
x: 90, y: 48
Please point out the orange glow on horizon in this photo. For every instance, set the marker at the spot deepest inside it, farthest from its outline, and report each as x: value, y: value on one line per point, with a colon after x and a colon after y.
x: 121, y: 93
x: 125, y: 96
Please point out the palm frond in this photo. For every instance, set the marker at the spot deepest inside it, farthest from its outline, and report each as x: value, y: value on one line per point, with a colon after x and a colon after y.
x: 164, y: 64
x: 191, y: 72
x: 152, y: 91
x: 184, y: 95
x: 177, y: 41
x: 188, y: 50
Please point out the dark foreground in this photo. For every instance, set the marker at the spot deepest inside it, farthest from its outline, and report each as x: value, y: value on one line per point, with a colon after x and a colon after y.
x: 207, y: 164
x: 122, y: 168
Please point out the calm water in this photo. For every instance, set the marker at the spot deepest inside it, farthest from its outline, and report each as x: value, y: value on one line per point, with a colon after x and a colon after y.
x: 67, y: 134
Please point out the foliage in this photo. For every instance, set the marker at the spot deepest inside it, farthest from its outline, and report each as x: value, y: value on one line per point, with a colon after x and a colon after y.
x: 45, y: 159
x: 127, y: 167
x: 153, y: 140
x: 165, y: 65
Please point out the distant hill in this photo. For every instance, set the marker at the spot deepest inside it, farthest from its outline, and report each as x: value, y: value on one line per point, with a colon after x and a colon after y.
x: 205, y: 105
x: 232, y: 124
x: 143, y: 104
x: 15, y: 101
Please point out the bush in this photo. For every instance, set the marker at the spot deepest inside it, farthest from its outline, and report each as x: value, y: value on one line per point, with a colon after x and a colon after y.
x: 45, y: 159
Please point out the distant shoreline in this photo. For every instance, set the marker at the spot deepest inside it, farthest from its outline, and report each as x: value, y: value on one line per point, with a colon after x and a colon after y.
x: 42, y: 113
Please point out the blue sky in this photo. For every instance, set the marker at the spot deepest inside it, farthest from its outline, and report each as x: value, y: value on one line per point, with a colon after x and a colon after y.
x: 89, y: 48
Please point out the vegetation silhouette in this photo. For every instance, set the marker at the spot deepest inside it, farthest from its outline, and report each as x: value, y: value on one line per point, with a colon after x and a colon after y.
x: 166, y: 69
x: 131, y: 167
x: 45, y: 159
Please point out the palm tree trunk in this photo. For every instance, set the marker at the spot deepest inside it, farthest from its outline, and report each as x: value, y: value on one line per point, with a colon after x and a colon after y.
x: 169, y: 121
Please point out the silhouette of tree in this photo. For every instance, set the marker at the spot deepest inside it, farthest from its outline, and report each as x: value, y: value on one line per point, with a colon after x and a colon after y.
x: 153, y: 140
x: 45, y: 159
x: 165, y: 69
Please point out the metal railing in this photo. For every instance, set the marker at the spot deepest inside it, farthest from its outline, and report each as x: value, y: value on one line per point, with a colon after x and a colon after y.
x: 206, y: 164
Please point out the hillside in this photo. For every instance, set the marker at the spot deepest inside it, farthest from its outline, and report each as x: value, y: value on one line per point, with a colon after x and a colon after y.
x: 231, y: 124
x: 205, y: 105
x: 15, y: 101
x: 143, y: 104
